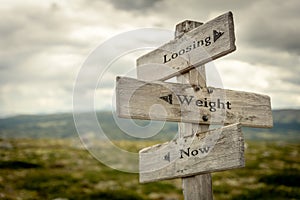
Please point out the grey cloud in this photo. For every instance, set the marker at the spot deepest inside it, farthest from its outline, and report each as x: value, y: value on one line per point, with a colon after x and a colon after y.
x: 223, y: 5
x: 25, y: 33
x: 286, y: 63
x: 279, y: 37
x: 266, y: 32
x: 293, y: 78
x: 129, y: 5
x: 272, y: 25
x: 33, y: 28
x: 266, y: 56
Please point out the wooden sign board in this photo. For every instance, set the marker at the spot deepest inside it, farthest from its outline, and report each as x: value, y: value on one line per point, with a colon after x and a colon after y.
x: 183, y: 103
x: 215, y: 150
x: 196, y: 47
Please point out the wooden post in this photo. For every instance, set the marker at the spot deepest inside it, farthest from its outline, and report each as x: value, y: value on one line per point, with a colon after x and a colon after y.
x: 199, y: 186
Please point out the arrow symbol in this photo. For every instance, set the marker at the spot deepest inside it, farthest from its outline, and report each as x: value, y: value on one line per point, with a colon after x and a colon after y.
x: 167, y: 98
x: 217, y: 34
x: 167, y: 157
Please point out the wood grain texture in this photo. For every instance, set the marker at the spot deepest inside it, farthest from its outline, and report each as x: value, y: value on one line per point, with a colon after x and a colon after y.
x: 145, y: 100
x: 203, y: 44
x: 198, y: 187
x: 211, y: 151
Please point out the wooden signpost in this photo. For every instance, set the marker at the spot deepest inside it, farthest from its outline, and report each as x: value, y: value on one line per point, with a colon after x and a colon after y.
x: 182, y: 103
x: 197, y: 151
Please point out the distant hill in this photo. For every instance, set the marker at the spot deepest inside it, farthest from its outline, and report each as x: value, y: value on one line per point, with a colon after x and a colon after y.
x: 286, y: 127
x: 63, y: 126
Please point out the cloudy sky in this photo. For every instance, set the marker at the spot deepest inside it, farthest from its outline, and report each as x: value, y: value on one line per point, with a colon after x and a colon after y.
x: 44, y: 45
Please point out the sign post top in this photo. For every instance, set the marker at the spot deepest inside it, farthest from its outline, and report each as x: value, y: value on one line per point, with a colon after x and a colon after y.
x: 185, y: 27
x: 190, y: 49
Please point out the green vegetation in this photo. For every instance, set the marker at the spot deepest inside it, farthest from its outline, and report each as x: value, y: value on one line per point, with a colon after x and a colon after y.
x: 49, y: 164
x: 272, y: 172
x: 51, y: 168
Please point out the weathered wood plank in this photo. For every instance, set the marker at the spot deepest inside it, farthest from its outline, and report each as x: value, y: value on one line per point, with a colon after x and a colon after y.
x: 185, y: 103
x: 194, y: 48
x: 215, y: 150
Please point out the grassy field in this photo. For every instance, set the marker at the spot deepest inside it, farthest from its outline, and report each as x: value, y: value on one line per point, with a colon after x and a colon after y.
x: 57, y: 169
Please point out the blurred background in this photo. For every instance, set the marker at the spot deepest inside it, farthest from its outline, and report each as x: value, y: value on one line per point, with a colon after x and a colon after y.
x: 43, y: 47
